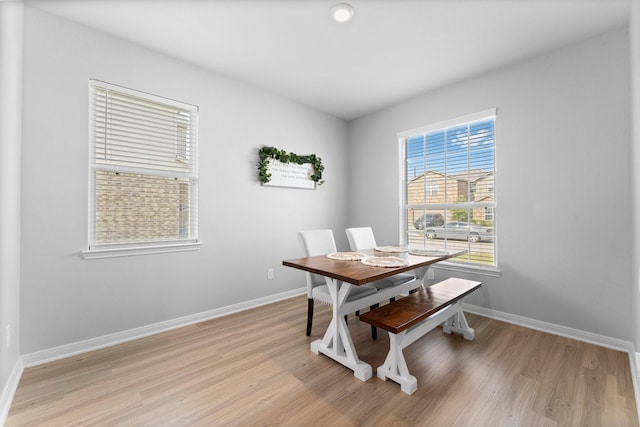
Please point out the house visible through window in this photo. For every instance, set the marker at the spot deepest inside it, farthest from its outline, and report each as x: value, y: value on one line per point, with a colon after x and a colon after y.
x: 143, y: 170
x: 457, y: 157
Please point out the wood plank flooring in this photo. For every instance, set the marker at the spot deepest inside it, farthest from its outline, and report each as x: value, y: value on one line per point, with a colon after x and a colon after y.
x: 255, y: 368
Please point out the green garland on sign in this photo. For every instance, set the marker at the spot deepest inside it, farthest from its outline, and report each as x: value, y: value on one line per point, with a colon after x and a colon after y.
x: 267, y: 153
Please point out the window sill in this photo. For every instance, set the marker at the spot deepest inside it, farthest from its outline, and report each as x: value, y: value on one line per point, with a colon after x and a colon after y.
x: 471, y: 269
x: 113, y: 252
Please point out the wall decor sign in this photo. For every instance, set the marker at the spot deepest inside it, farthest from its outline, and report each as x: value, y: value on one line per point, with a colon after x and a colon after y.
x: 283, y: 169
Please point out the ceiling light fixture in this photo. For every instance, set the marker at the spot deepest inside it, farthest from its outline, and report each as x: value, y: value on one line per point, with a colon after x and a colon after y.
x: 342, y: 12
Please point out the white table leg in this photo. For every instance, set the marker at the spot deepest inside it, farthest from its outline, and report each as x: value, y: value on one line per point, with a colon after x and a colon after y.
x: 421, y: 275
x: 337, y: 343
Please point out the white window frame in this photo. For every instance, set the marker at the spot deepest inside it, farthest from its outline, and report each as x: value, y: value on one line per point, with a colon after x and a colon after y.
x: 185, y: 155
x: 403, y: 232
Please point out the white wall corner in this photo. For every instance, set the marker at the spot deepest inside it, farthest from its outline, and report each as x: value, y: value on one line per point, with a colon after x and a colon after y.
x: 11, y: 54
x: 634, y: 50
x: 10, y: 390
x: 634, y: 362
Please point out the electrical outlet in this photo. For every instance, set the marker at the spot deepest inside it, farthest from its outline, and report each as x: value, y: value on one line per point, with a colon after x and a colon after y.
x: 270, y: 273
x: 8, y: 336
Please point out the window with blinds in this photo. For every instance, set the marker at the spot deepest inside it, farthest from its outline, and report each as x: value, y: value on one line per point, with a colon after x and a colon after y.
x: 447, y: 184
x: 143, y: 170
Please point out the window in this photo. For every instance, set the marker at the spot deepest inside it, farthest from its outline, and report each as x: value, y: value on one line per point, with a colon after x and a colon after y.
x: 143, y: 173
x: 488, y: 214
x: 458, y: 157
x: 431, y: 190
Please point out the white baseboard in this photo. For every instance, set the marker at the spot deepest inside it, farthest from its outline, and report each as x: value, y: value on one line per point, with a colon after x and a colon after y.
x: 56, y: 353
x: 9, y: 390
x: 563, y: 331
x: 48, y: 355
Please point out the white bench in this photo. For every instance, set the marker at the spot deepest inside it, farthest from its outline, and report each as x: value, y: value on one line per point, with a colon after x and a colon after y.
x: 409, y: 318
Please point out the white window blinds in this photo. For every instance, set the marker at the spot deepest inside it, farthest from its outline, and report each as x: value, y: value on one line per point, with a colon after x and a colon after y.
x: 448, y: 176
x: 143, y: 168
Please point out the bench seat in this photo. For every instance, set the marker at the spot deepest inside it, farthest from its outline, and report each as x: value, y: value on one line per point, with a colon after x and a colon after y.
x: 409, y: 318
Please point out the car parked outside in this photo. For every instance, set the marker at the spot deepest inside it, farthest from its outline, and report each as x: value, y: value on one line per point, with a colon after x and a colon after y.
x: 429, y: 220
x: 460, y: 231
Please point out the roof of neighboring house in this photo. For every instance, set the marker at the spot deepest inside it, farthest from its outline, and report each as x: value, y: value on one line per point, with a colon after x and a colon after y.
x: 421, y: 176
x: 487, y: 198
x: 471, y: 176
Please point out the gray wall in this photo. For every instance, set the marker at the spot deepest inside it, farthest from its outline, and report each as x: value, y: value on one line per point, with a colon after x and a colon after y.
x: 563, y: 181
x: 246, y: 228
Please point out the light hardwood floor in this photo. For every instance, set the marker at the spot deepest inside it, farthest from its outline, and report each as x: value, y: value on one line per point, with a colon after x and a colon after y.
x: 255, y: 368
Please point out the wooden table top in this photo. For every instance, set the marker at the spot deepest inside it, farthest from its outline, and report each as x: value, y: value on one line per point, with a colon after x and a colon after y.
x: 356, y: 273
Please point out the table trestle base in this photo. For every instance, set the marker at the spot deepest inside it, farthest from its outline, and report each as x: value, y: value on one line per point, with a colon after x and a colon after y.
x: 361, y: 370
x: 337, y: 343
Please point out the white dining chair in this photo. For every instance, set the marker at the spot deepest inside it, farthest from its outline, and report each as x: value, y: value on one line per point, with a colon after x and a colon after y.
x: 322, y: 242
x: 361, y: 238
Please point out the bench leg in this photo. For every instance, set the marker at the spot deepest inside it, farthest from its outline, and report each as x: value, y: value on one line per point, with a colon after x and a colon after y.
x: 395, y: 366
x: 458, y: 324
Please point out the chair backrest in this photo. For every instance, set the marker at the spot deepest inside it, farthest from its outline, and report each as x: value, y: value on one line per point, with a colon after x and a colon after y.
x: 361, y: 238
x: 316, y: 242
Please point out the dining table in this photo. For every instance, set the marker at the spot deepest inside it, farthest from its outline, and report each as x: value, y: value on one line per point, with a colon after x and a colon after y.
x: 341, y: 274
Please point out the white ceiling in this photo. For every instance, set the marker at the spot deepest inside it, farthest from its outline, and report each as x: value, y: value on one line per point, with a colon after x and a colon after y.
x: 390, y: 51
